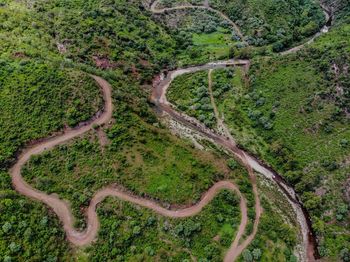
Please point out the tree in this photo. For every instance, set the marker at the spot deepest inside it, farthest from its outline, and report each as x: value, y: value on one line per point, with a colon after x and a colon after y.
x: 150, y: 251
x: 14, y: 248
x: 256, y: 253
x: 344, y: 143
x: 136, y: 230
x: 247, y: 256
x: 6, y: 227
x: 345, y: 254
x: 7, y: 259
x: 277, y: 47
x: 232, y: 164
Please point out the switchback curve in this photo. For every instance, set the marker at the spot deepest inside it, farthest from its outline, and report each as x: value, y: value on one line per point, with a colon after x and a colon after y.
x: 63, y: 210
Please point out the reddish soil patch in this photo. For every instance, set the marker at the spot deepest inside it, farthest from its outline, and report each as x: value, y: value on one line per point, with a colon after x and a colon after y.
x: 102, y: 137
x: 19, y: 55
x: 134, y: 71
x: 216, y: 238
x: 104, y: 62
x: 347, y: 190
x: 144, y: 63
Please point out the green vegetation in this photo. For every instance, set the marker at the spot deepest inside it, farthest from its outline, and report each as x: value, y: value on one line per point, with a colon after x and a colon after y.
x: 213, y: 46
x: 201, y: 36
x: 21, y: 32
x: 281, y: 23
x: 229, y: 87
x: 91, y: 34
x: 135, y: 234
x: 280, y: 237
x: 143, y: 158
x: 67, y: 34
x: 215, y: 39
x: 276, y: 238
x: 86, y: 32
x: 278, y: 25
x: 171, y: 3
x: 39, y: 98
x: 295, y: 116
x: 189, y: 92
x: 28, y: 231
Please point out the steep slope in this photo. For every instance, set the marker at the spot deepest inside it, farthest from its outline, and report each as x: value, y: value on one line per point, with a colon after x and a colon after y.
x: 295, y: 116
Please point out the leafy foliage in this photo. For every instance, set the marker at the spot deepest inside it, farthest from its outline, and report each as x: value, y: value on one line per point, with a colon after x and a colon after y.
x: 27, y: 230
x: 139, y: 234
x: 145, y: 159
x: 296, y: 114
x: 189, y: 92
x: 37, y: 99
x: 280, y: 22
x: 109, y: 34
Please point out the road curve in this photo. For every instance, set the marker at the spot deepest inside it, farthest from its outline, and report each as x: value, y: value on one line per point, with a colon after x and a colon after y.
x: 324, y: 29
x: 156, y: 10
x: 60, y: 207
x: 63, y: 210
x: 160, y: 100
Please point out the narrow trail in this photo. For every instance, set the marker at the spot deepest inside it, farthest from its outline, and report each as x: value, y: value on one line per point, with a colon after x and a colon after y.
x: 212, y: 100
x: 155, y: 10
x: 221, y: 126
x: 237, y: 249
x: 63, y: 210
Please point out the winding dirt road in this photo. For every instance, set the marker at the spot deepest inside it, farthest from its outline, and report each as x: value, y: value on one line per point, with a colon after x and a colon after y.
x: 156, y: 10
x: 64, y: 212
x: 250, y: 162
